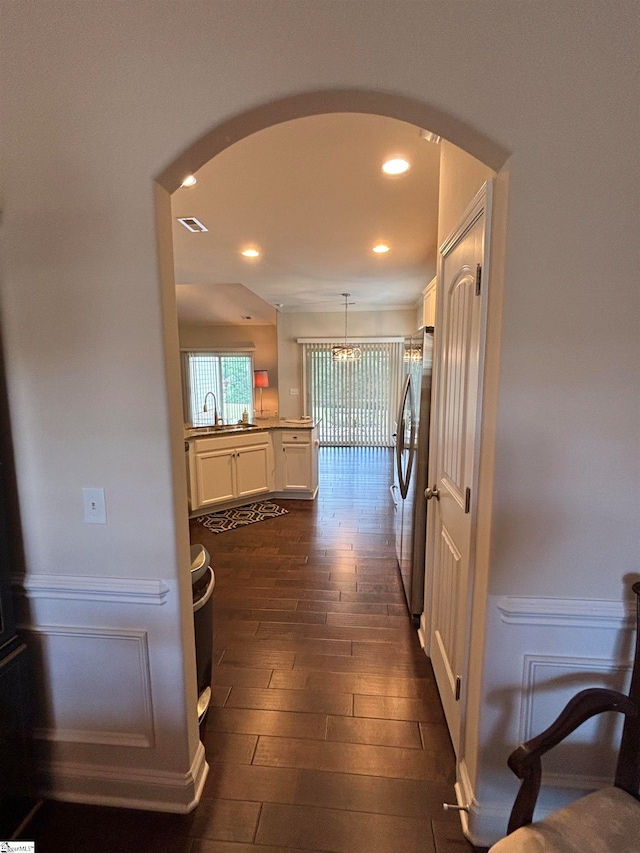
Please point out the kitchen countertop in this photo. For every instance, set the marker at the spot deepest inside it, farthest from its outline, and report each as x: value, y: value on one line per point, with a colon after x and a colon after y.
x: 255, y: 426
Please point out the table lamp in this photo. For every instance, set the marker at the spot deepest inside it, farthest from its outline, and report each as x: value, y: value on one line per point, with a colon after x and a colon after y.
x: 261, y: 380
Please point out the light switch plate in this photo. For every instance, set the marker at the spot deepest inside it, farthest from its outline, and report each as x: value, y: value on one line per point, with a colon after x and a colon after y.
x: 293, y: 392
x: 95, y: 510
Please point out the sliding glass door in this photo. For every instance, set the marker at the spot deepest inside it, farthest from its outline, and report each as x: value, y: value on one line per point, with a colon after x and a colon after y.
x: 355, y: 401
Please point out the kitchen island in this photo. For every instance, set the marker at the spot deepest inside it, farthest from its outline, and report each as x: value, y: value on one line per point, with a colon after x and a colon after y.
x: 236, y: 464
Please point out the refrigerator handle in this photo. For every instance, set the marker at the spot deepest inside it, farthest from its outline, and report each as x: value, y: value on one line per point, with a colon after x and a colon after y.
x: 403, y: 477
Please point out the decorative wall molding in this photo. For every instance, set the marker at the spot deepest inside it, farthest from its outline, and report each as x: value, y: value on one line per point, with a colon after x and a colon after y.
x: 83, y: 588
x: 121, y: 661
x: 128, y: 787
x: 544, y: 651
x: 533, y: 685
x: 566, y: 612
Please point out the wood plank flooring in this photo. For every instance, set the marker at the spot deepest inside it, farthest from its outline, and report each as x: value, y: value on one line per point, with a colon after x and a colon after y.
x: 325, y: 732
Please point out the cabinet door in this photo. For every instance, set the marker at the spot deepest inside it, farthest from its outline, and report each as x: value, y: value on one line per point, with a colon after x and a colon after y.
x: 215, y: 477
x: 297, y: 466
x: 253, y: 470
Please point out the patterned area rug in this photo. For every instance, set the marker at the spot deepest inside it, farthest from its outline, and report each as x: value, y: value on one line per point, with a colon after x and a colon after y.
x: 229, y: 519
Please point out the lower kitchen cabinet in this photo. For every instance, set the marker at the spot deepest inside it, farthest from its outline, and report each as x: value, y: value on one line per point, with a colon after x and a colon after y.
x: 229, y: 470
x: 254, y: 470
x: 296, y: 461
x: 214, y: 477
x: 226, y: 469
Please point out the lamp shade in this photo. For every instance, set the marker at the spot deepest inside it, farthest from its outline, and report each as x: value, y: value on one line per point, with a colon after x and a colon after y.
x: 260, y: 378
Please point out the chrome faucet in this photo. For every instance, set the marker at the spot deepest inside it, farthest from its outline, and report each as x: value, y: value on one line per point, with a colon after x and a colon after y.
x: 215, y: 406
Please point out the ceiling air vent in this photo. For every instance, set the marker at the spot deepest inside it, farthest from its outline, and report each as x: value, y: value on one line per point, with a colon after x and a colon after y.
x: 192, y: 224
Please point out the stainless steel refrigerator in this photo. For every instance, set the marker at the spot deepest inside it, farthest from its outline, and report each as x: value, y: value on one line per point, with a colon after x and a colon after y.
x: 411, y: 464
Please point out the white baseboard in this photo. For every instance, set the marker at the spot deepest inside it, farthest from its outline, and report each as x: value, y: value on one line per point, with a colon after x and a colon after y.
x: 423, y: 635
x: 482, y: 823
x: 296, y: 494
x: 126, y: 787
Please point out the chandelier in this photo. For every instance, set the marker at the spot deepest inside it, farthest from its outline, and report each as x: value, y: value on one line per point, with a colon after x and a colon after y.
x: 412, y: 354
x: 345, y: 351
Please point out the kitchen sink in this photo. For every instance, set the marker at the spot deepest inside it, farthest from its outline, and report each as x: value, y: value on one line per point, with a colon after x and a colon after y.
x: 209, y: 430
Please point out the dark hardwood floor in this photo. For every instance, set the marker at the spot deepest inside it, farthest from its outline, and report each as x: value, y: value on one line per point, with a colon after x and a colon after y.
x: 326, y: 732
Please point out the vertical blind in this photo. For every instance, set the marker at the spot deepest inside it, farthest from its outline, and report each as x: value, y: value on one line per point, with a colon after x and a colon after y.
x: 355, y: 401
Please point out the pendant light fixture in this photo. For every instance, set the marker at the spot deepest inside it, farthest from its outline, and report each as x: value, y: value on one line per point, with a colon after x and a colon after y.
x: 345, y: 351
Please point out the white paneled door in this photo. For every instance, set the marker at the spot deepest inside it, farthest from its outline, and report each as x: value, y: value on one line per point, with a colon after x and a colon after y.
x: 454, y: 483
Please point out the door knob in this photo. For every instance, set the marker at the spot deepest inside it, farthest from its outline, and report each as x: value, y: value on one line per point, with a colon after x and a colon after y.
x: 432, y: 493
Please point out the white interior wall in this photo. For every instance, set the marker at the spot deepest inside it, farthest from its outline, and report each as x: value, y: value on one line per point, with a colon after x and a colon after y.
x: 100, y: 98
x: 262, y: 338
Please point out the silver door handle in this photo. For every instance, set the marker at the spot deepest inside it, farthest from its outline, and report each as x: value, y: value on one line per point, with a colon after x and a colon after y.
x: 432, y: 493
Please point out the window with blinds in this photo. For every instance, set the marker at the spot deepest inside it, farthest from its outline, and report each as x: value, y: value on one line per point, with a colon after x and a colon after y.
x: 355, y: 401
x: 226, y: 375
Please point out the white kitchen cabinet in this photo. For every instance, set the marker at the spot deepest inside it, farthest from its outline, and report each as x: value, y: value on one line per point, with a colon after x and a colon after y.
x: 296, y: 463
x: 253, y: 470
x: 214, y: 477
x: 228, y: 468
x: 429, y: 295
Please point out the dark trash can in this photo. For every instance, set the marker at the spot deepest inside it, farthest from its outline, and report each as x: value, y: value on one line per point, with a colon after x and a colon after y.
x: 203, y: 582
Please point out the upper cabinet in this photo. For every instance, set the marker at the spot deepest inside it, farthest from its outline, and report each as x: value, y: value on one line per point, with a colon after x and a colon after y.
x: 429, y: 304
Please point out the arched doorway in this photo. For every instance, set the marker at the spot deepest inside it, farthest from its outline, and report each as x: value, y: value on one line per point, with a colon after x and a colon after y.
x: 261, y: 118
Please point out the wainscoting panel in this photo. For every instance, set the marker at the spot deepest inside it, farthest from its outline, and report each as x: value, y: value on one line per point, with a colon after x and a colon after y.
x: 542, y: 652
x: 108, y: 672
x: 116, y: 690
x: 588, y: 756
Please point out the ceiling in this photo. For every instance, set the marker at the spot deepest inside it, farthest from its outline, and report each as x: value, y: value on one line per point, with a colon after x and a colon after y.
x: 311, y: 196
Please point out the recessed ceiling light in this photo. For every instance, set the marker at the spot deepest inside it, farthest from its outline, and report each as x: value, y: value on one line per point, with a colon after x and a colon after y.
x: 192, y: 224
x: 250, y: 253
x: 396, y: 166
x: 189, y: 181
x: 380, y: 249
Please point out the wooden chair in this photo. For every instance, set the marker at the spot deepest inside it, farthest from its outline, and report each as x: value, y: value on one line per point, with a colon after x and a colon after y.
x: 606, y: 821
